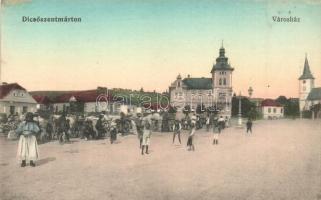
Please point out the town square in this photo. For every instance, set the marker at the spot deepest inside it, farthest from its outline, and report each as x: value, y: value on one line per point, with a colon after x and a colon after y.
x: 160, y: 100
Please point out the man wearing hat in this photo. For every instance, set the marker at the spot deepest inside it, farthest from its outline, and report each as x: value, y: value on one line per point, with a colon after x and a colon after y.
x: 28, y: 147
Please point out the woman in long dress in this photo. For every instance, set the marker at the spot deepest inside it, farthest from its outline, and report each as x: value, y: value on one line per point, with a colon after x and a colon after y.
x: 190, y: 144
x: 28, y: 147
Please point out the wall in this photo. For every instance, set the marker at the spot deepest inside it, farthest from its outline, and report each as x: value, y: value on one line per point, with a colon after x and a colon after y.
x: 279, y: 112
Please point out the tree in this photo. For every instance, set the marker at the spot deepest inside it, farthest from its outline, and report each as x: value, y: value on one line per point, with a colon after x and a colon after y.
x: 248, y: 108
x: 282, y: 100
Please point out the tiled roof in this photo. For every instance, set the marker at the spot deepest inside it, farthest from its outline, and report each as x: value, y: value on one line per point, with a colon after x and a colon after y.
x: 41, y: 99
x: 81, y: 96
x: 198, y: 83
x: 270, y: 102
x: 5, y: 89
x: 315, y: 94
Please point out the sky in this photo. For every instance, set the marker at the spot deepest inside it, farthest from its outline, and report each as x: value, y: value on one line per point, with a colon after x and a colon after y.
x: 140, y: 43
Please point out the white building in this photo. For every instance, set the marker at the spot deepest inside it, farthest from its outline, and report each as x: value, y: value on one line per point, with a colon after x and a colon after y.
x: 215, y: 91
x: 272, y: 109
x: 15, y: 99
x: 309, y: 95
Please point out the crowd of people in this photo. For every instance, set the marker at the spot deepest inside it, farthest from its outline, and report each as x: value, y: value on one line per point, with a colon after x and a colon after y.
x: 59, y: 127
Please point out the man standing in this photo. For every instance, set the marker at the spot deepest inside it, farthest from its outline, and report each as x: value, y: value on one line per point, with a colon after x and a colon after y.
x: 249, y: 125
x: 177, y: 127
x: 28, y: 147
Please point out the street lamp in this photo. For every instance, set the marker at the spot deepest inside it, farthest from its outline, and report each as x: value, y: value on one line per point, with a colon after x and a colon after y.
x: 239, y: 124
x: 250, y: 90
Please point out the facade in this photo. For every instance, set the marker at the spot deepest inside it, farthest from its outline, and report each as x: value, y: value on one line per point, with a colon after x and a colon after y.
x: 215, y: 91
x: 15, y: 99
x: 309, y: 95
x: 272, y: 109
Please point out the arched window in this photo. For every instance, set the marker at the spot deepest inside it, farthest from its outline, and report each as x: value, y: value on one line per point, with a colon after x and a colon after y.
x: 178, y: 84
x: 220, y: 82
x: 224, y: 81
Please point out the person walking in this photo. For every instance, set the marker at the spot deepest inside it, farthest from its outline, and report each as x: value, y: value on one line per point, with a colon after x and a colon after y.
x: 207, y: 123
x: 177, y: 127
x: 221, y: 123
x: 249, y: 125
x: 216, y: 132
x: 190, y: 144
x: 27, y: 146
x: 139, y: 128
x: 146, y: 136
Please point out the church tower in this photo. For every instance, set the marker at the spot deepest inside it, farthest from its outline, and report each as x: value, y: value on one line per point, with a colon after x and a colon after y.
x: 306, y: 83
x: 222, y: 83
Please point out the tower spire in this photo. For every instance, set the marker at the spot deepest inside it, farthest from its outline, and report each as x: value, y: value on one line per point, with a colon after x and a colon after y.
x: 222, y: 43
x: 306, y: 70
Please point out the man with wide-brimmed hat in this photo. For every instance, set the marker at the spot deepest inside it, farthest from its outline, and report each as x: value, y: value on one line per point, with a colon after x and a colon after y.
x: 28, y: 147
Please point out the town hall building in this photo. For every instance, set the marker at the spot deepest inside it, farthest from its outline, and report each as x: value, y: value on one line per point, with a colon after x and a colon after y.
x: 309, y: 95
x: 215, y: 91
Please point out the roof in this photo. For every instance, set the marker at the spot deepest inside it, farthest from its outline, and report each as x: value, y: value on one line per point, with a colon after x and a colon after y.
x: 222, y: 62
x: 306, y: 71
x: 270, y: 102
x: 315, y: 94
x: 5, y: 89
x: 198, y: 83
x: 42, y: 99
x: 80, y: 96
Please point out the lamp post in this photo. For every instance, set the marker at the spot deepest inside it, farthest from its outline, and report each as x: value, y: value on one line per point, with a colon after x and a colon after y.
x: 250, y: 91
x: 239, y: 124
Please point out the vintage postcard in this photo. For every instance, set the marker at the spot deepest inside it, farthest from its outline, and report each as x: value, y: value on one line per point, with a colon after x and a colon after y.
x: 160, y: 100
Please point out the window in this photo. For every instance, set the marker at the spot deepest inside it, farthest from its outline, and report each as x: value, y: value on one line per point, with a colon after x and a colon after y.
x: 24, y: 109
x: 224, y: 81
x: 220, y: 81
x: 12, y: 110
x: 274, y: 110
x: 281, y: 110
x: 269, y: 110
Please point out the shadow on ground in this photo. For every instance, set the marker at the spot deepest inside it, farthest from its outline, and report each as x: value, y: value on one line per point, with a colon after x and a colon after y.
x: 45, y: 160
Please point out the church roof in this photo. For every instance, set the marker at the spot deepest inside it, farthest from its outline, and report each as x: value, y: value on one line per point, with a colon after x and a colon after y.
x: 222, y: 62
x: 306, y: 71
x: 315, y: 94
x: 198, y: 83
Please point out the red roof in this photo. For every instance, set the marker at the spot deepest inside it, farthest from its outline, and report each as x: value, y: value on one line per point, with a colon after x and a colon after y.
x: 41, y: 99
x: 7, y: 88
x: 270, y: 102
x: 81, y: 96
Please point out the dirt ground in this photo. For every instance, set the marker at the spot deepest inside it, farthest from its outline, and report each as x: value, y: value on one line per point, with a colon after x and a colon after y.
x: 280, y: 160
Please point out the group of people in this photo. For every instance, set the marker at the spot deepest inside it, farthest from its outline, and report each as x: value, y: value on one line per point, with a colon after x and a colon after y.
x: 28, y: 130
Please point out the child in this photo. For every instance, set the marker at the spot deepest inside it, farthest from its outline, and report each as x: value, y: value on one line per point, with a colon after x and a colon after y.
x: 146, y: 136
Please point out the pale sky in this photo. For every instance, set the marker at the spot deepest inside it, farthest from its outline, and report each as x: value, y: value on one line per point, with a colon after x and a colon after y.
x: 134, y: 44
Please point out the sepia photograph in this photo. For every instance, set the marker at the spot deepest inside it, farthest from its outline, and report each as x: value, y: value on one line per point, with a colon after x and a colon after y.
x: 160, y: 100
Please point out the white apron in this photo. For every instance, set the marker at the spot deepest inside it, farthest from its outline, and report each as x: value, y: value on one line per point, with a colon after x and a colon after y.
x: 28, y: 148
